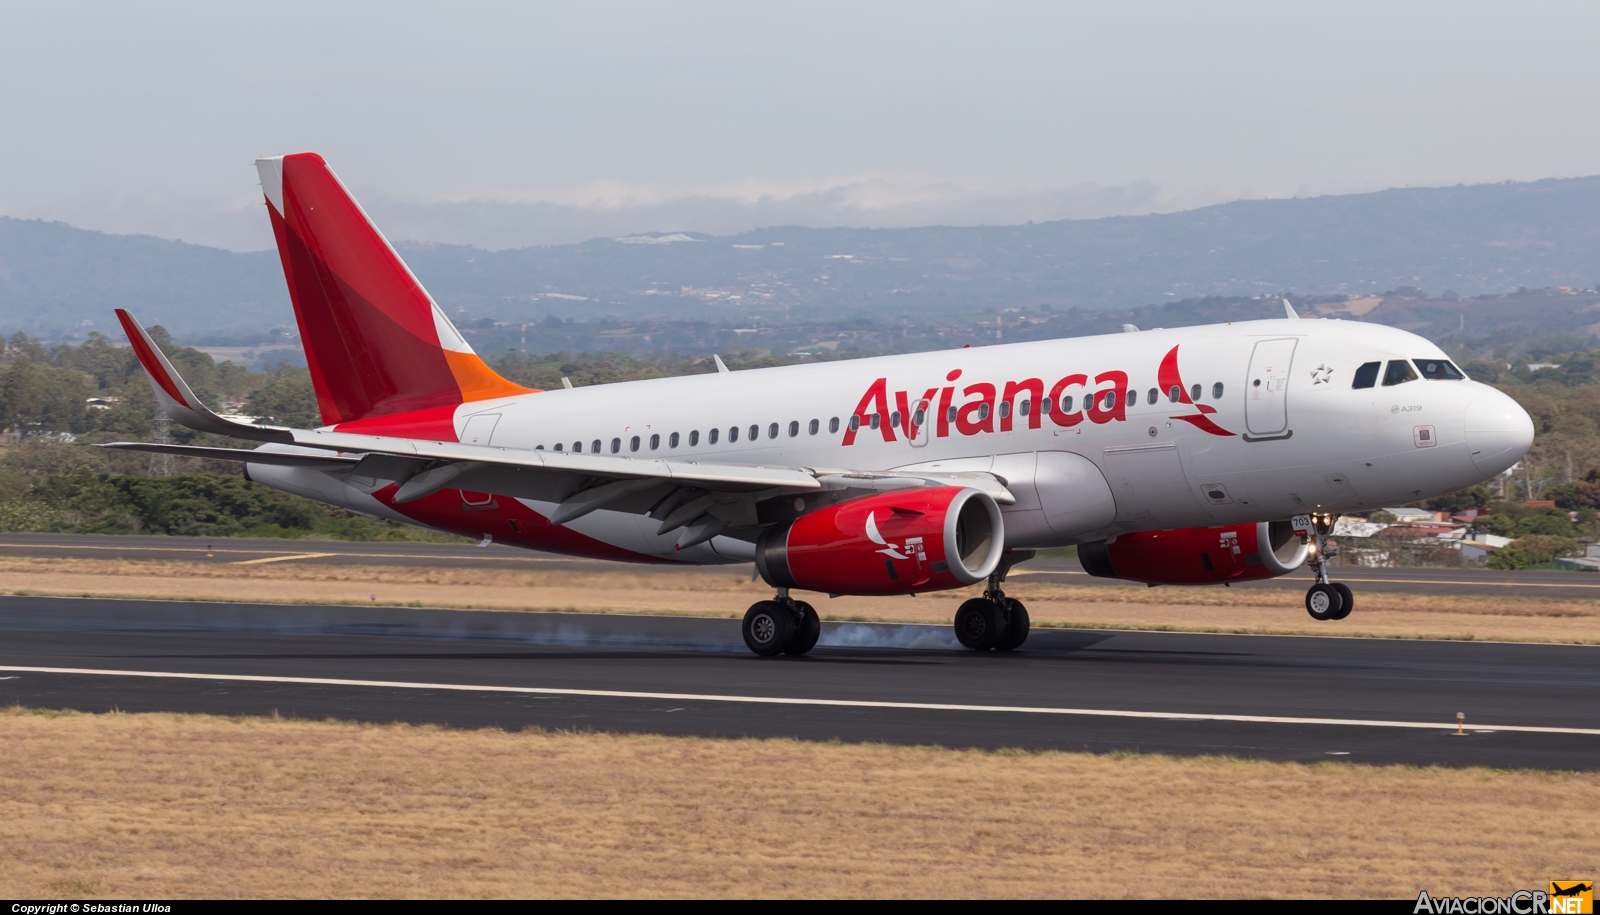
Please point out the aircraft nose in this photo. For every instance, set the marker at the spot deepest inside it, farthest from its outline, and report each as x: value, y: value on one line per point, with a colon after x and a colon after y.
x: 1498, y: 431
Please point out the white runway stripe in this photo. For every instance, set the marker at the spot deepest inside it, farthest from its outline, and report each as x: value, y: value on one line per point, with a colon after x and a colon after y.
x: 781, y: 700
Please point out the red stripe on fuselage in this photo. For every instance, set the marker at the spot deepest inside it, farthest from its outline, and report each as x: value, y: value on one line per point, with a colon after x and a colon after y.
x: 436, y: 424
x: 493, y: 516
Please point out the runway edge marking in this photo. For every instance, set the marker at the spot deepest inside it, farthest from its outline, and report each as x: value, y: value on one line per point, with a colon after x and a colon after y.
x: 780, y: 700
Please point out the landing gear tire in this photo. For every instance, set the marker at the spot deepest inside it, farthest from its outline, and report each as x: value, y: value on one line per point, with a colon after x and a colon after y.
x: 768, y: 627
x: 806, y: 632
x: 1324, y: 602
x: 1016, y: 626
x: 1349, y: 600
x: 980, y: 624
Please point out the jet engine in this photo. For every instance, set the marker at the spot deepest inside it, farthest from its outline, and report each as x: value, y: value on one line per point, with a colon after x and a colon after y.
x: 893, y: 543
x: 1197, y: 555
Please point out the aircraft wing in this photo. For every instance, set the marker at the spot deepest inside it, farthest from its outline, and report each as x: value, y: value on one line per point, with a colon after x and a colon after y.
x: 701, y: 497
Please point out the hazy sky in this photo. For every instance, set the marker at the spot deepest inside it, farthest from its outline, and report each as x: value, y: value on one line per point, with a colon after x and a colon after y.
x: 522, y: 123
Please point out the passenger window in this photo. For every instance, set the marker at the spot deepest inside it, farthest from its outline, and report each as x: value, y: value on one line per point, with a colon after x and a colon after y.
x: 711, y: 437
x: 1133, y: 397
x: 1398, y: 372
x: 755, y: 432
x: 1439, y: 370
x: 855, y: 421
x: 983, y: 412
x: 1005, y: 409
x: 874, y: 420
x: 733, y: 434
x: 950, y: 414
x: 616, y: 445
x: 558, y: 446
x: 655, y: 442
x: 1367, y: 375
x: 1216, y: 391
x: 894, y: 420
x: 1194, y: 392
x: 538, y: 447
x: 833, y: 425
x: 694, y: 437
x: 794, y: 429
x: 812, y: 429
x: 1022, y: 408
x: 672, y: 440
x: 772, y: 431
x: 1109, y: 401
x: 633, y: 443
x: 594, y: 446
x: 1066, y: 404
x: 1152, y: 396
x: 918, y: 418
x: 1175, y: 394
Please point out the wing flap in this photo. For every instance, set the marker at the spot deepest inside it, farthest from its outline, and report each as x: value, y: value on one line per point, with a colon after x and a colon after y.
x: 337, y: 462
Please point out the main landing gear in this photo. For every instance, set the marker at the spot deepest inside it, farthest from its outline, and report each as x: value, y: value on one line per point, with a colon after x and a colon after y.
x: 994, y: 620
x: 1326, y: 600
x: 782, y: 625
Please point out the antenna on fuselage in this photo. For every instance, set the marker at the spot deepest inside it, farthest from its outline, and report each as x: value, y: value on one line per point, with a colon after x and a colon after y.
x: 1288, y: 310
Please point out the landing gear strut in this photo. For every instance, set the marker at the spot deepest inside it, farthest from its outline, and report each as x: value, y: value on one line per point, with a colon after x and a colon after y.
x: 782, y: 625
x: 1326, y: 600
x: 994, y: 620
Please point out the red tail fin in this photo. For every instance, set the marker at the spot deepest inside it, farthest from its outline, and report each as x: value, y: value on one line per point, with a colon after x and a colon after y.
x: 376, y: 342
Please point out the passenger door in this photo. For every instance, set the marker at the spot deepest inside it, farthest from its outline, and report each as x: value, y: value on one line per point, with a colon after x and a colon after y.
x: 1266, y: 405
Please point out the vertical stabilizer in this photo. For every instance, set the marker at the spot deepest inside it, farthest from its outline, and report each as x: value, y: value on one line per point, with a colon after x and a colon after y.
x: 376, y: 342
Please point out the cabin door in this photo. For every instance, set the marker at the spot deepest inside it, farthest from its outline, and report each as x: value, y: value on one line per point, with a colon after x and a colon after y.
x: 1266, y: 391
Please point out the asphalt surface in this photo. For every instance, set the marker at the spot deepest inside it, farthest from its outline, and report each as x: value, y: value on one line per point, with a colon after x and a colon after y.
x: 1069, y: 689
x: 1464, y: 583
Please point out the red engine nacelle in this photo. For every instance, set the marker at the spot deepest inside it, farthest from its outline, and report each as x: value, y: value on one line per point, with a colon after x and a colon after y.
x: 1198, y: 555
x: 895, y: 543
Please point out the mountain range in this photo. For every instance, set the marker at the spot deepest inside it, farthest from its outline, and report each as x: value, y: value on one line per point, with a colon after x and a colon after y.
x: 59, y: 282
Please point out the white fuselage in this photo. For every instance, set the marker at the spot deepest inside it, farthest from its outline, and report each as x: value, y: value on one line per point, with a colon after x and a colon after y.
x: 1277, y: 429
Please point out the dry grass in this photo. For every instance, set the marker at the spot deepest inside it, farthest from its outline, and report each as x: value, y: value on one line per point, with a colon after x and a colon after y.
x: 727, y: 592
x: 166, y: 805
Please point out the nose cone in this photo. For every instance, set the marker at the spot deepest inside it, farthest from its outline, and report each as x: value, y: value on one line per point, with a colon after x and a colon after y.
x: 1499, y: 432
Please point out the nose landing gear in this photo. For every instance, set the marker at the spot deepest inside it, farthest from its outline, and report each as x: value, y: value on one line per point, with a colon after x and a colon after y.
x: 1326, y: 600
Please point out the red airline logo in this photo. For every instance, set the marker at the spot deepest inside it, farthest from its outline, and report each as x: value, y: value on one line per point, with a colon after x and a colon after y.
x: 1169, y: 379
x: 1069, y: 402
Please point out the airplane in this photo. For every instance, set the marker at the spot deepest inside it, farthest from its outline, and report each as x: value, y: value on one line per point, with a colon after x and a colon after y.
x: 1186, y: 456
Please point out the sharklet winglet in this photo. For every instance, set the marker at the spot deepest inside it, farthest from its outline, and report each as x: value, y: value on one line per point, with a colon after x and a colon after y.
x: 176, y: 398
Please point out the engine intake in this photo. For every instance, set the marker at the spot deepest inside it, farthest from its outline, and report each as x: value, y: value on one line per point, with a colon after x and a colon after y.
x: 902, y: 542
x: 1197, y: 555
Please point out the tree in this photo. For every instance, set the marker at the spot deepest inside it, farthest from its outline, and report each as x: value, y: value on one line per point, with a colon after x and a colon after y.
x: 1462, y: 499
x: 287, y: 399
x: 1532, y: 550
x: 36, y: 397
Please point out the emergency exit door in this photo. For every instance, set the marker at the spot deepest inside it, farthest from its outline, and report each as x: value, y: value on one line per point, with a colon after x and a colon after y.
x: 1266, y: 405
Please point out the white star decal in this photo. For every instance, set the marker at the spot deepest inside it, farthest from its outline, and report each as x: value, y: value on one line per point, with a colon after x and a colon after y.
x: 1322, y: 374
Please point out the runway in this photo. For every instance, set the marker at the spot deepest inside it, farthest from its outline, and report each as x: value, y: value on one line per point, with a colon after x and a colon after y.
x: 1357, y: 700
x: 1464, y: 583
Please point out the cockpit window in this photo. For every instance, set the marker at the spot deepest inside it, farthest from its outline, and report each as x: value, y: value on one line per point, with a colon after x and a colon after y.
x: 1438, y: 370
x: 1367, y: 375
x: 1398, y: 372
